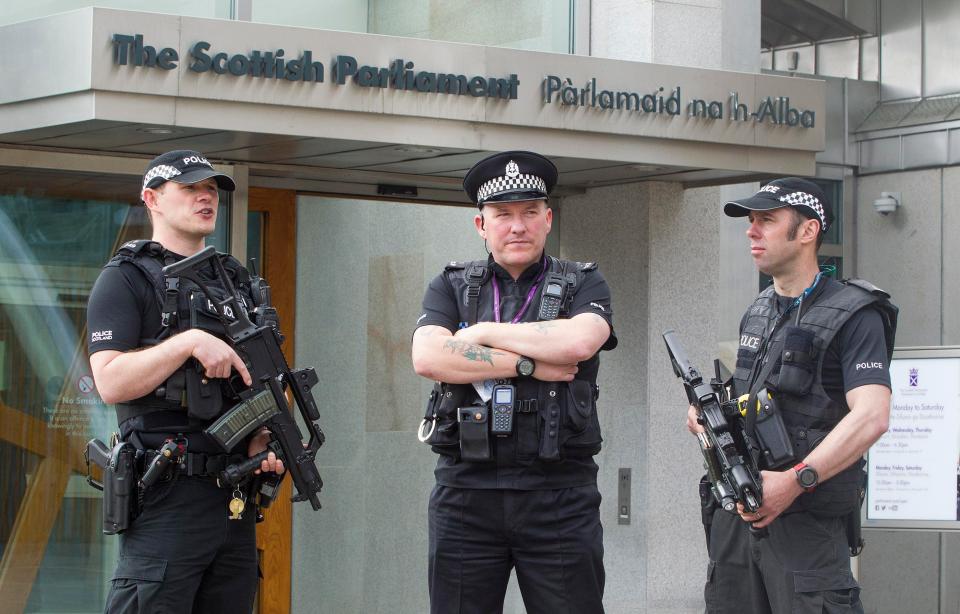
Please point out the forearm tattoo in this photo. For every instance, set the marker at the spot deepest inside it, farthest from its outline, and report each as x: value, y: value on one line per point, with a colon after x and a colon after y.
x: 544, y: 327
x: 470, y: 351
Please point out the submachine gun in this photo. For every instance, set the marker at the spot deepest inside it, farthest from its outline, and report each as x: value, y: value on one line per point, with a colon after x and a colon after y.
x: 729, y: 453
x: 264, y: 402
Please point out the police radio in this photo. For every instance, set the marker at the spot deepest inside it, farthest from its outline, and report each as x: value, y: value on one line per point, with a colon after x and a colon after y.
x: 503, y: 401
x: 551, y: 298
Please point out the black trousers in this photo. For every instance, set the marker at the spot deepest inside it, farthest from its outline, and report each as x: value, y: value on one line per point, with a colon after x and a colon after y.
x: 801, y: 566
x: 183, y: 554
x: 552, y: 538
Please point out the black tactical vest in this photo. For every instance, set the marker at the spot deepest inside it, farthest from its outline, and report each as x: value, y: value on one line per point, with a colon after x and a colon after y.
x: 187, y: 388
x: 791, y: 358
x: 554, y: 421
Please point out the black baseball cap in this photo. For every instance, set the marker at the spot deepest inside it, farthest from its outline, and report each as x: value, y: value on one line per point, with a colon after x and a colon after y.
x: 186, y: 167
x: 510, y: 176
x: 802, y: 194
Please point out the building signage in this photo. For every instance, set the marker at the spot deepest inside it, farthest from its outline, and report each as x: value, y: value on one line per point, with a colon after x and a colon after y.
x: 914, y: 469
x: 776, y: 110
x: 401, y: 74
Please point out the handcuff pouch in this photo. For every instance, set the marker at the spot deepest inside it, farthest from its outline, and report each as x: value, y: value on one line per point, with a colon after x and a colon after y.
x: 474, y: 433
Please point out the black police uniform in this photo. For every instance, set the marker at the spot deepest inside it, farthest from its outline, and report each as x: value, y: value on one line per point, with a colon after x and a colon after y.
x: 182, y: 553
x: 518, y: 510
x: 801, y: 563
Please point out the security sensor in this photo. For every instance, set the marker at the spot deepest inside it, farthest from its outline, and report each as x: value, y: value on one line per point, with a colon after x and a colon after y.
x: 887, y: 203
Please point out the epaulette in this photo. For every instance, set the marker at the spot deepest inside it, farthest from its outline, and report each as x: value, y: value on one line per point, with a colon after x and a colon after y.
x: 454, y: 265
x: 587, y: 266
x: 140, y: 245
x: 867, y: 286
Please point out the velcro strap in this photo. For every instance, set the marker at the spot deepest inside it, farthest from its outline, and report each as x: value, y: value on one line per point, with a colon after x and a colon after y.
x: 527, y: 406
x: 200, y: 464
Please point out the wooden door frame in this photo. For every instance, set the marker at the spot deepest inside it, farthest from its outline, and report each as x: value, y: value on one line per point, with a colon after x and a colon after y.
x: 275, y: 533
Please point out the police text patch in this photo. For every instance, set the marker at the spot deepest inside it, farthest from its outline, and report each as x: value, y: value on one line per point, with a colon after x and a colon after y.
x: 101, y: 335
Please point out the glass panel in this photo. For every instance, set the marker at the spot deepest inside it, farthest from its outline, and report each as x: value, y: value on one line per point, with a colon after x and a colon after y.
x: 345, y: 15
x: 11, y: 12
x: 57, y: 229
x: 542, y: 25
x: 255, y: 230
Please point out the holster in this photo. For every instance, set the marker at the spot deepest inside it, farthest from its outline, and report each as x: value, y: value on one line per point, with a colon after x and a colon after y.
x: 708, y: 505
x: 771, y: 433
x: 854, y: 532
x: 119, y: 485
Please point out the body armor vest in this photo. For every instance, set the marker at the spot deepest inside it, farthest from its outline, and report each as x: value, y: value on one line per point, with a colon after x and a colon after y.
x: 185, y: 308
x: 787, y: 357
x: 553, y: 420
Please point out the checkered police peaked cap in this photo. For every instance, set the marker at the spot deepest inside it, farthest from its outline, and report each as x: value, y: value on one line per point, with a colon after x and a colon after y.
x: 801, y: 194
x: 510, y: 176
x: 186, y: 167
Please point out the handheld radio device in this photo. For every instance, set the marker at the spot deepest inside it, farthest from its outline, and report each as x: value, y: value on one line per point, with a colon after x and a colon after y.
x: 551, y: 298
x: 503, y: 402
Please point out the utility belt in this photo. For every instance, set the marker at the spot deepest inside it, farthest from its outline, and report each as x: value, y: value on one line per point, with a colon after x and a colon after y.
x: 192, y: 464
x: 127, y: 472
x: 561, y: 422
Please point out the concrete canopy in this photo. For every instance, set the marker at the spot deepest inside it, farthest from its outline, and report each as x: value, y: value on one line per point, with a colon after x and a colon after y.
x: 288, y: 103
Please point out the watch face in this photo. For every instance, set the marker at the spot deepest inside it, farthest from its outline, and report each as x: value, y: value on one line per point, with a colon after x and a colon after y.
x: 525, y: 367
x: 807, y: 477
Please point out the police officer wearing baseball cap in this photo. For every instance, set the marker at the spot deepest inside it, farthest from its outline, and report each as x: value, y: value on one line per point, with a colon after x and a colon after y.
x: 184, y: 551
x: 822, y: 348
x: 513, y: 345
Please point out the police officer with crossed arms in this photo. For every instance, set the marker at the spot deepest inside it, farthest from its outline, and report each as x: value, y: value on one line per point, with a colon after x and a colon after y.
x: 186, y: 551
x: 513, y: 344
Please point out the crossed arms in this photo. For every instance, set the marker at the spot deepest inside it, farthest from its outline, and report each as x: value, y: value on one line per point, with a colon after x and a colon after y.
x: 490, y: 350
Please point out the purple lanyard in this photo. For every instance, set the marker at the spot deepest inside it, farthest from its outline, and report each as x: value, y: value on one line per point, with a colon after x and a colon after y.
x: 526, y: 303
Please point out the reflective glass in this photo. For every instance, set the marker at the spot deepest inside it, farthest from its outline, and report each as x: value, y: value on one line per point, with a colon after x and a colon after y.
x: 542, y: 25
x: 12, y: 12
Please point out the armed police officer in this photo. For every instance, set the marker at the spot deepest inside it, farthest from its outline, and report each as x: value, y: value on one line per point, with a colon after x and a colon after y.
x: 191, y: 545
x: 819, y: 350
x: 513, y: 345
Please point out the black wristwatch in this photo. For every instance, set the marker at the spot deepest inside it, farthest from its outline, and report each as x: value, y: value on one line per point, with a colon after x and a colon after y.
x: 525, y: 367
x: 807, y: 477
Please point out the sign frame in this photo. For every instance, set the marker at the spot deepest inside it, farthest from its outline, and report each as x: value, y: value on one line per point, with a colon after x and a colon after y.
x: 903, y: 354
